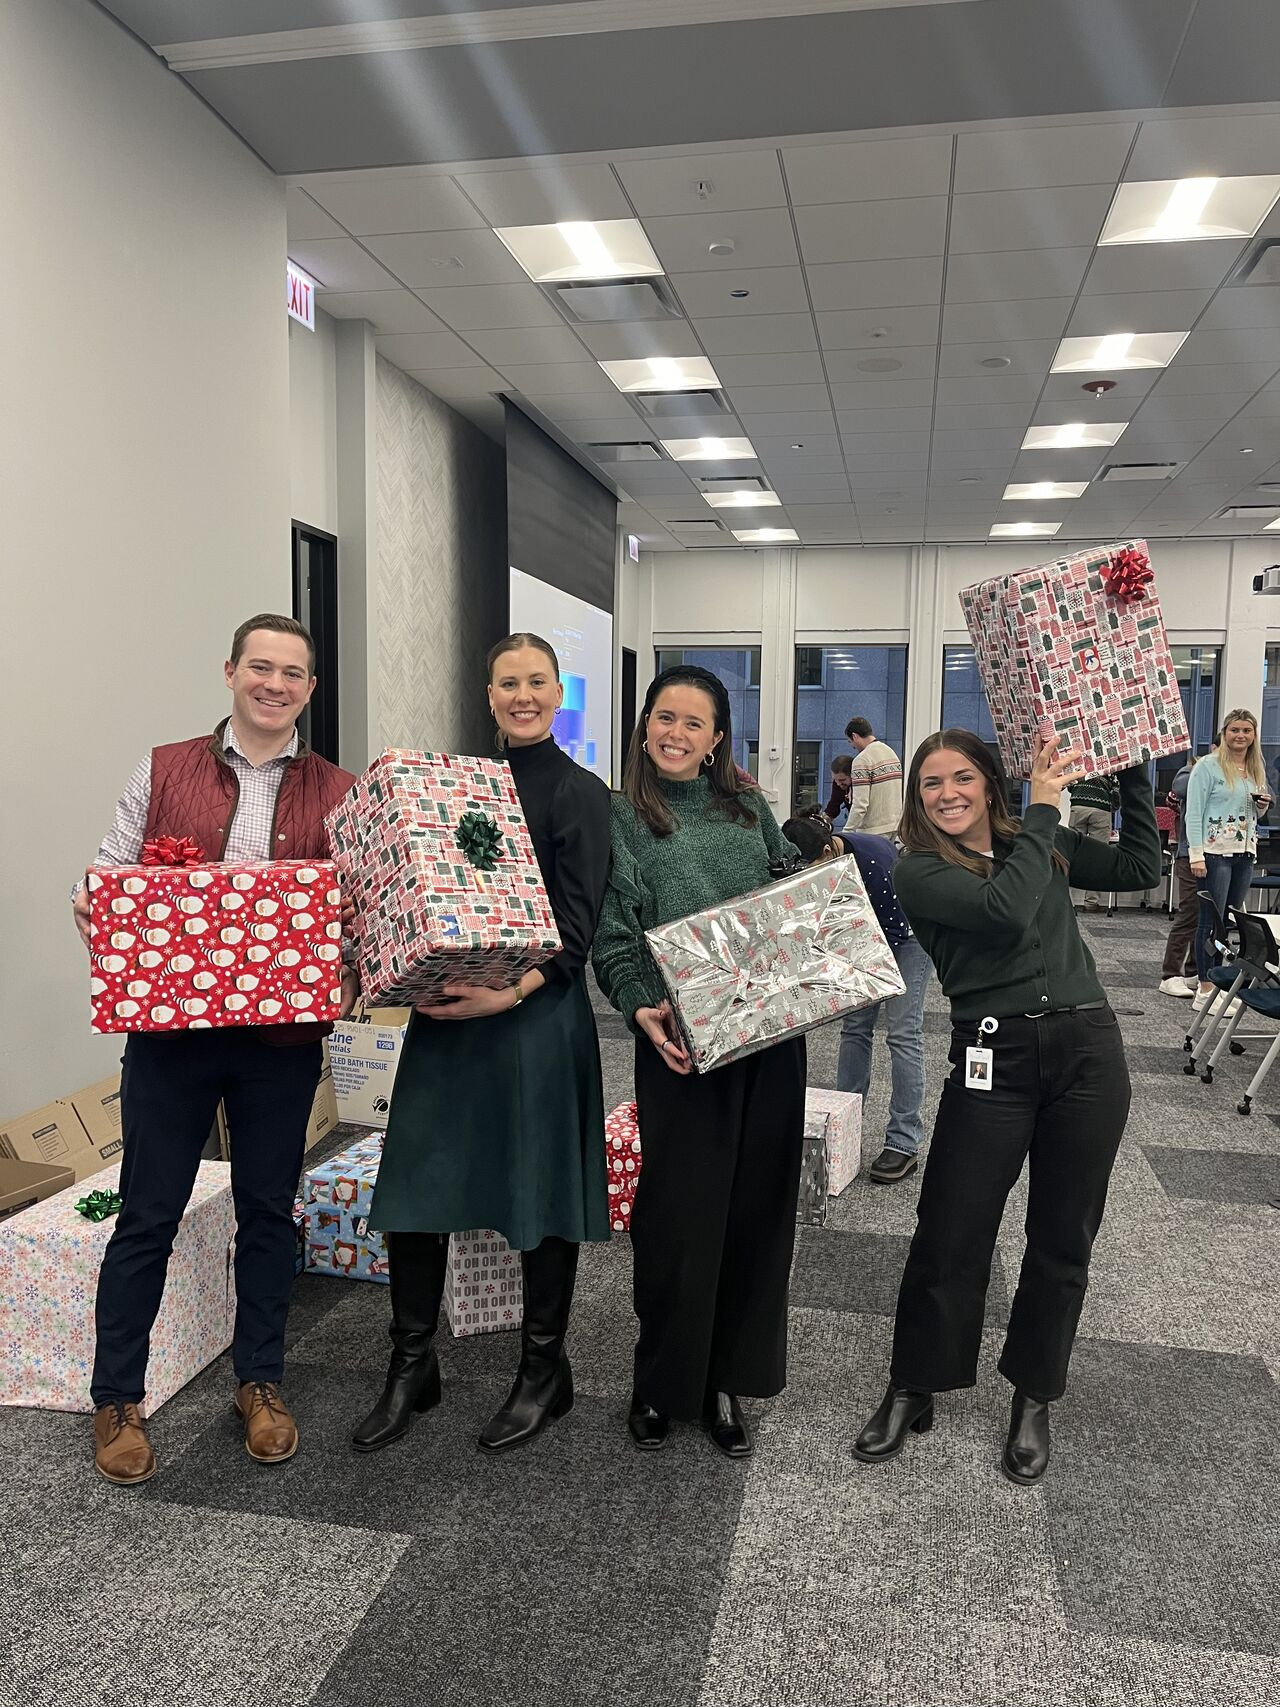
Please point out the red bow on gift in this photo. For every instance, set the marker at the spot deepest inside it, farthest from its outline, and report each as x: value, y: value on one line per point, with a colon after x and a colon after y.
x: 1127, y: 574
x: 172, y: 850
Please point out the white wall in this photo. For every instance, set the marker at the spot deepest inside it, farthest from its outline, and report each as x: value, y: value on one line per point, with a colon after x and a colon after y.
x: 144, y: 504
x: 779, y: 599
x: 313, y: 424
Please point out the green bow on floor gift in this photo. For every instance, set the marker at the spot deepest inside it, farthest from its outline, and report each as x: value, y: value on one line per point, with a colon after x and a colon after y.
x: 99, y: 1204
x: 480, y: 839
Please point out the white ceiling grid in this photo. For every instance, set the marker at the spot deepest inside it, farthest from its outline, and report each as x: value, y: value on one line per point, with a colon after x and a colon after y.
x: 868, y: 284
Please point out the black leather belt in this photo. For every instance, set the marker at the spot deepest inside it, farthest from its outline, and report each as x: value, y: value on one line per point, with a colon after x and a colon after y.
x: 1080, y: 1008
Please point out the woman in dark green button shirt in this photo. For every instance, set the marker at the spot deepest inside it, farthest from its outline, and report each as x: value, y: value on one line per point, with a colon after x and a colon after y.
x: 1037, y: 1070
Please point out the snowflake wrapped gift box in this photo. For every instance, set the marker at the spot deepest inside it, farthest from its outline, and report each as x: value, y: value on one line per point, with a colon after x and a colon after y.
x: 434, y: 850
x: 1081, y: 642
x: 772, y: 964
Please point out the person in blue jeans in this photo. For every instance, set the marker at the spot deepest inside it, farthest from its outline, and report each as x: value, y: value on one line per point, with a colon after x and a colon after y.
x: 904, y: 1014
x: 1226, y: 795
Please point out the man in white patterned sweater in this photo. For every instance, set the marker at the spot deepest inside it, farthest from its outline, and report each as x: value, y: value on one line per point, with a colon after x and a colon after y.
x: 875, y: 783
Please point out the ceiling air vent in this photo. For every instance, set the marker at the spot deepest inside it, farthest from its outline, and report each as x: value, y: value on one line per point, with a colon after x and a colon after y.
x: 633, y: 451
x: 719, y: 483
x: 1246, y: 513
x: 1115, y: 471
x: 681, y: 405
x: 598, y: 304
x: 697, y: 529
x: 1261, y: 266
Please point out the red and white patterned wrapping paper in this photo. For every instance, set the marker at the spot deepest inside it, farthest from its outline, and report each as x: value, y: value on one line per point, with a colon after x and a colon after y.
x: 425, y: 915
x: 1053, y: 642
x: 775, y: 963
x: 622, y: 1154
x: 183, y: 948
x: 49, y: 1261
x: 836, y: 1118
x: 483, y: 1284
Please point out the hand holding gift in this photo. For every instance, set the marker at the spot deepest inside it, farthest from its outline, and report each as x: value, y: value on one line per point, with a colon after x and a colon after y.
x: 1051, y: 772
x: 659, y: 1026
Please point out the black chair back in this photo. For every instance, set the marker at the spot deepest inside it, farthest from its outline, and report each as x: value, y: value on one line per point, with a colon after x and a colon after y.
x: 1258, y: 946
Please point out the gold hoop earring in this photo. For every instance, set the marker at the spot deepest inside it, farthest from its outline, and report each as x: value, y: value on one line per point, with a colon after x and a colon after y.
x: 710, y: 759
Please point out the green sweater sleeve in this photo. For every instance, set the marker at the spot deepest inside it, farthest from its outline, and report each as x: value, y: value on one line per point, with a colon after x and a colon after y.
x: 620, y: 958
x: 1134, y: 861
x: 1005, y: 903
x: 778, y: 845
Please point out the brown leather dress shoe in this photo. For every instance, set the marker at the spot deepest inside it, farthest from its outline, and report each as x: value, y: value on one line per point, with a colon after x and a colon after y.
x: 121, y: 1451
x: 270, y: 1433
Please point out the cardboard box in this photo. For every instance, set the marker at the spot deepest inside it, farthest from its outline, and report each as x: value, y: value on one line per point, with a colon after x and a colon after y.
x: 25, y: 1183
x: 49, y: 1261
x: 98, y: 1107
x: 324, y: 1114
x: 57, y: 1134
x: 365, y: 1057
x: 834, y: 1118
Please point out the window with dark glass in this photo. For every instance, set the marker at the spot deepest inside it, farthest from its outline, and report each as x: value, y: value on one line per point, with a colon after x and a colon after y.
x: 738, y: 667
x: 834, y: 684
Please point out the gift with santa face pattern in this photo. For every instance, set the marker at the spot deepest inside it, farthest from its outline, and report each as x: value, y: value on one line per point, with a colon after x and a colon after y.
x: 434, y: 850
x: 189, y: 946
x: 622, y: 1157
x: 1081, y: 642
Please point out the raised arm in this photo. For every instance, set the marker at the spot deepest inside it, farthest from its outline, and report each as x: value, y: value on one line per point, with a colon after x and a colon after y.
x: 1134, y: 861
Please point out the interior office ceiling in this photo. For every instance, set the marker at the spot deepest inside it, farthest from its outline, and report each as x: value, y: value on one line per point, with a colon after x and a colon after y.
x: 913, y: 196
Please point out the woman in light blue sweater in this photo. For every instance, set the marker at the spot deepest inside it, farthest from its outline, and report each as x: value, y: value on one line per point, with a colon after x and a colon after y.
x: 1226, y: 794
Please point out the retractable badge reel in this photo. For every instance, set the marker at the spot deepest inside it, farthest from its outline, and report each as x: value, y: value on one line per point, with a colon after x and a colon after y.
x: 979, y: 1058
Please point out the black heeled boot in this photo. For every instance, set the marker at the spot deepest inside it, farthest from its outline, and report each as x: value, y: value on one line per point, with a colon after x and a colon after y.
x: 417, y: 1264
x: 649, y: 1428
x: 1026, y: 1452
x: 543, y: 1387
x: 723, y: 1420
x: 900, y: 1409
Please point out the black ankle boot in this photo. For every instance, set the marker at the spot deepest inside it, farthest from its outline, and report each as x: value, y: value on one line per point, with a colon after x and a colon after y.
x: 900, y: 1409
x: 417, y: 1266
x: 723, y: 1420
x: 649, y: 1428
x: 1026, y: 1452
x: 543, y: 1387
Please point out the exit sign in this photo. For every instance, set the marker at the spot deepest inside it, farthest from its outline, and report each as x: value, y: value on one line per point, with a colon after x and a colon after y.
x: 301, y: 296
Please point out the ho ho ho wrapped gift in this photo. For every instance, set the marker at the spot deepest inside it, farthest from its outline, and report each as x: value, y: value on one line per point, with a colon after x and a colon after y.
x: 435, y: 852
x: 1081, y: 642
x: 772, y: 964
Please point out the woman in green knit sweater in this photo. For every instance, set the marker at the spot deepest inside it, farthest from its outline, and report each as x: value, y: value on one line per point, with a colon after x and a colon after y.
x: 713, y: 1225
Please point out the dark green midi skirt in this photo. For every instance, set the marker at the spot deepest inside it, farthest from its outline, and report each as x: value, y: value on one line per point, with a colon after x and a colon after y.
x: 499, y: 1123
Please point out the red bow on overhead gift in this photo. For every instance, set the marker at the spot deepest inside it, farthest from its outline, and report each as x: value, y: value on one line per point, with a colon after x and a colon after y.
x: 1127, y: 574
x: 172, y: 850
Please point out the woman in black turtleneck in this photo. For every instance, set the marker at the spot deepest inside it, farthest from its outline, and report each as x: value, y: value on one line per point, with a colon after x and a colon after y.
x: 497, y: 1117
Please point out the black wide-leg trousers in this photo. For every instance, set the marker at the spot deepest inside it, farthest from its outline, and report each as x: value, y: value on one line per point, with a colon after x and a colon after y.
x: 713, y: 1225
x: 1060, y: 1097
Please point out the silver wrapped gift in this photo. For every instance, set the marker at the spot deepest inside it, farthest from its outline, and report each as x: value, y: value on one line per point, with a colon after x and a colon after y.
x: 775, y: 963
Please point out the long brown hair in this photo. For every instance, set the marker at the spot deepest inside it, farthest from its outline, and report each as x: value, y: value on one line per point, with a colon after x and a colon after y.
x: 517, y: 643
x: 640, y: 776
x: 917, y: 831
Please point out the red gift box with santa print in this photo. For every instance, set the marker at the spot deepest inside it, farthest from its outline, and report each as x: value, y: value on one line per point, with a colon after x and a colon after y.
x: 190, y: 947
x: 622, y: 1157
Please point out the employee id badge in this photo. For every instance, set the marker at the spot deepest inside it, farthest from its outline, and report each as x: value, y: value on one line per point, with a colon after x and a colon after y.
x: 979, y: 1058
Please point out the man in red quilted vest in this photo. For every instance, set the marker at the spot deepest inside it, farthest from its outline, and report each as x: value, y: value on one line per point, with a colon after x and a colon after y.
x: 252, y: 790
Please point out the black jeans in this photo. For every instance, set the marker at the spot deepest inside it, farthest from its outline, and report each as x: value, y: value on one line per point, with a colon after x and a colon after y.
x: 714, y: 1225
x: 1060, y: 1096
x: 169, y: 1093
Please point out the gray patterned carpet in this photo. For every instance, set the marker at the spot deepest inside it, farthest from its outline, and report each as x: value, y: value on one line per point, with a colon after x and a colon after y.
x: 1145, y: 1571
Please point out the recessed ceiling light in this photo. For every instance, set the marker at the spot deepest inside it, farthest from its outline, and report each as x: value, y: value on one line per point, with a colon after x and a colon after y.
x: 1188, y: 210
x: 739, y: 295
x: 709, y: 450
x: 1074, y: 435
x: 765, y: 536
x: 1246, y: 450
x: 1047, y: 489
x: 1117, y: 351
x: 663, y: 373
x: 582, y: 249
x: 745, y: 499
x: 996, y: 361
x: 1272, y: 527
x: 1024, y: 530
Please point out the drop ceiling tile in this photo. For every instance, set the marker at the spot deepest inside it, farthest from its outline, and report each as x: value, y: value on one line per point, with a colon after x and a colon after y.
x: 866, y: 284
x: 869, y: 171
x: 916, y: 419
x: 818, y: 458
x: 635, y: 339
x: 873, y: 394
x: 992, y: 322
x: 395, y: 202
x: 1203, y: 377
x: 858, y: 445
x: 594, y: 407
x: 497, y: 308
x: 757, y: 334
x: 544, y: 195
x: 585, y: 430
x: 306, y: 219
x: 1213, y: 409
x: 798, y: 368
x: 1028, y: 158
x: 529, y: 344
x: 992, y: 388
x: 886, y: 462
x: 770, y: 399
x: 459, y: 384
x: 964, y: 361
x: 339, y: 263
x: 551, y: 379
x: 770, y: 290
x: 1015, y: 274
x: 1220, y: 147
x: 1176, y: 441
x: 810, y: 488
x: 804, y: 424
x: 873, y: 231
x: 385, y: 310
x: 866, y: 328
x: 1254, y: 344
x: 413, y: 350
x: 1247, y: 305
x: 998, y: 417
x: 704, y: 183
x: 446, y: 258
x: 917, y: 363
x: 1128, y: 268
x: 821, y: 515
x: 761, y: 238
x: 1156, y: 311
x: 1021, y: 220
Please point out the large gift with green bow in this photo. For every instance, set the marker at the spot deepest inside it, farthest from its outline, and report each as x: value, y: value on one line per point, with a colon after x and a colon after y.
x: 434, y: 850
